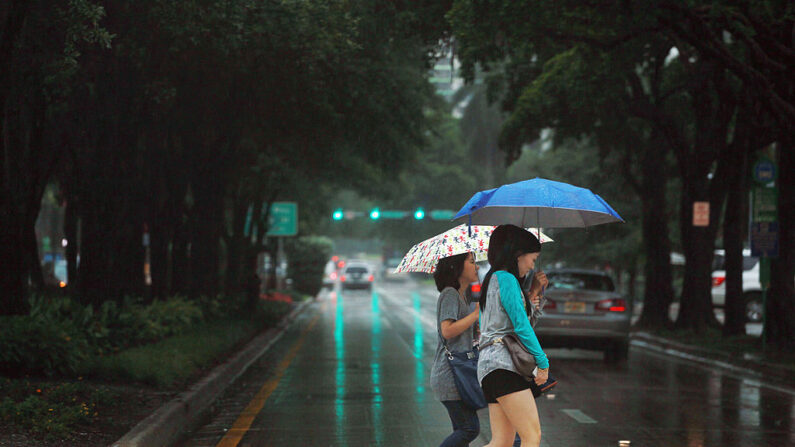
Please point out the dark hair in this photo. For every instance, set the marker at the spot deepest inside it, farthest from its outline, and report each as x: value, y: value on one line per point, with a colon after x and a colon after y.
x: 448, y: 270
x: 506, y: 244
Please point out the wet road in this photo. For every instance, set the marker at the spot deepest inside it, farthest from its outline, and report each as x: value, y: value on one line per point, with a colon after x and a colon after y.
x: 354, y: 371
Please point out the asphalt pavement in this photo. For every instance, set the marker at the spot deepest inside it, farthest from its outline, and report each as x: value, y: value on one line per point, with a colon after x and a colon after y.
x: 295, y: 376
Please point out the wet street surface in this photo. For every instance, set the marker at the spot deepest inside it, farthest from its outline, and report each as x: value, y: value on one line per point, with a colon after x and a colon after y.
x: 353, y: 370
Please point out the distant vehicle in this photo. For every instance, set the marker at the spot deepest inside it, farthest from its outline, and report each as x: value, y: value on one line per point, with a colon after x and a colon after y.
x: 330, y: 274
x: 389, y: 270
x: 357, y: 275
x: 752, y: 287
x: 583, y: 310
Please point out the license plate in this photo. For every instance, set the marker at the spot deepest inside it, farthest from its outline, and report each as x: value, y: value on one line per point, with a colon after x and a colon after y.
x: 574, y: 307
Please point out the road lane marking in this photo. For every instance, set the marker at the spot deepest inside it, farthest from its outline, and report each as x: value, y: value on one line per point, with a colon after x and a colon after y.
x: 579, y: 416
x: 247, y: 416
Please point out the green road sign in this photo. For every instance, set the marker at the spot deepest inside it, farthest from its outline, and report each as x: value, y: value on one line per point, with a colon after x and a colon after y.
x: 764, y: 205
x: 283, y: 219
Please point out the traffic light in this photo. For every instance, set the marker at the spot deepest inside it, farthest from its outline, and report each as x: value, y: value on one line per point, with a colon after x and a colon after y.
x: 375, y: 214
x: 337, y: 215
x: 419, y: 214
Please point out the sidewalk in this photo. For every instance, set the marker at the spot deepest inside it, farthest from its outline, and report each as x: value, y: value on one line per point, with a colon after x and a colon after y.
x: 749, y: 366
x: 755, y: 366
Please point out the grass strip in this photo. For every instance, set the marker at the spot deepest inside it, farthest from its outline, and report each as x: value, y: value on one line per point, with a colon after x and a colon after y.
x: 173, y: 361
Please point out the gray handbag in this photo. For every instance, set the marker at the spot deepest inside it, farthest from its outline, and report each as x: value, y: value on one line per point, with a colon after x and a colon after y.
x: 523, y: 361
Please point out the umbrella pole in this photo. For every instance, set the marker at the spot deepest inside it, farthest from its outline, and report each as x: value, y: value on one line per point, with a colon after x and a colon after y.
x: 538, y: 231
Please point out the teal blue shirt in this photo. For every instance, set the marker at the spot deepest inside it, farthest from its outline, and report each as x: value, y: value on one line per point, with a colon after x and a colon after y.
x: 514, y: 304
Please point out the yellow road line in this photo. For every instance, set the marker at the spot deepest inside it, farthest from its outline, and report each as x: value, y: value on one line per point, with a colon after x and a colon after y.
x: 247, y: 416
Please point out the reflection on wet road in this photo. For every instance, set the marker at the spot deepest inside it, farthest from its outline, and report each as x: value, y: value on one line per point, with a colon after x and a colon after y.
x: 359, y: 376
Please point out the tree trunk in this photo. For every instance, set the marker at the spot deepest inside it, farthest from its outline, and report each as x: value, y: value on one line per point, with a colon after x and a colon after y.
x: 780, y: 303
x: 695, y: 304
x: 181, y: 260
x: 658, y: 293
x: 734, y: 229
x: 236, y: 270
x: 70, y: 233
x: 31, y: 253
x: 205, y: 246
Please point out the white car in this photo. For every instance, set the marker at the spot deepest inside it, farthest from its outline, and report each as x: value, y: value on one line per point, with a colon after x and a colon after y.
x: 752, y: 287
x: 330, y: 274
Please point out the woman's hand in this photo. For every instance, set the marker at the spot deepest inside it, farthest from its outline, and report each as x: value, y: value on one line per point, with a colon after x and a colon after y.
x: 535, y: 300
x: 542, y: 376
x: 540, y: 281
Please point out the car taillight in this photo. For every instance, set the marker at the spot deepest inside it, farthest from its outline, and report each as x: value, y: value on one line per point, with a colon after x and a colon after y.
x: 476, y: 287
x: 718, y: 280
x: 342, y: 278
x: 341, y: 264
x: 371, y: 278
x: 550, y: 305
x: 333, y: 275
x: 612, y: 305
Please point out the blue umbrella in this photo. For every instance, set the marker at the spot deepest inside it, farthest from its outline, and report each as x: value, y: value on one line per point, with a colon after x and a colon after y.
x: 537, y: 203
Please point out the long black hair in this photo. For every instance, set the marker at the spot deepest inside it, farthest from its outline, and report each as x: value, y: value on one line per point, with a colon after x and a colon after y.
x: 448, y: 270
x: 506, y: 244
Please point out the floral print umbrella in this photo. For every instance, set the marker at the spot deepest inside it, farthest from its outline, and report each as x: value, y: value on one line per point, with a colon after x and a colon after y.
x: 424, y: 256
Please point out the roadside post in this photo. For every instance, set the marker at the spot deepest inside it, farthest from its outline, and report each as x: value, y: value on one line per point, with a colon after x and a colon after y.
x: 763, y: 228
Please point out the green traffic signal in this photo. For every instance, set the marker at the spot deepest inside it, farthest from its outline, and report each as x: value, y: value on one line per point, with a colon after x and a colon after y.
x: 419, y: 214
x: 375, y: 214
x: 337, y: 214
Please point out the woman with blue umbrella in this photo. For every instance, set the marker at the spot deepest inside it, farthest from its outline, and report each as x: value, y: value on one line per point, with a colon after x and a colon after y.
x: 512, y: 408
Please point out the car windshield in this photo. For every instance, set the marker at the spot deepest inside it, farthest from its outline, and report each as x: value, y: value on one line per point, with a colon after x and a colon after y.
x: 580, y: 281
x: 357, y: 270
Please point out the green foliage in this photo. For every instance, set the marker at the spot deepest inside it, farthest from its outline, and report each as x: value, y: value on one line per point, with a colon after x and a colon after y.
x: 40, y: 346
x: 140, y: 324
x: 308, y: 256
x: 60, y: 334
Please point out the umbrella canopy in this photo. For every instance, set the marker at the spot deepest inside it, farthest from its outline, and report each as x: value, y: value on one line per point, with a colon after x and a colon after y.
x: 538, y: 203
x: 424, y: 256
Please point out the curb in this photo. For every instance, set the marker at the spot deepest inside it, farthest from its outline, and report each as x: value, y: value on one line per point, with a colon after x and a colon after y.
x: 752, y: 368
x: 168, y: 423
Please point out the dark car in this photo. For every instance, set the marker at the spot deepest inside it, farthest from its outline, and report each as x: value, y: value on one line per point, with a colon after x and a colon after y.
x: 584, y: 310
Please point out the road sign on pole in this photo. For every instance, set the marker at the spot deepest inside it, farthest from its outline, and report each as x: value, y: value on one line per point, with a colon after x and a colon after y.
x: 283, y: 219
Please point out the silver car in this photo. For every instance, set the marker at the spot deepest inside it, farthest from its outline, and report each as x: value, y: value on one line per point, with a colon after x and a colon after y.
x: 357, y: 275
x: 583, y: 310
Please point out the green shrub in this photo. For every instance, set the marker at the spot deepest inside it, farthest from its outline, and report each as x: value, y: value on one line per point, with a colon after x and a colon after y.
x: 137, y: 324
x: 36, y: 345
x: 307, y: 257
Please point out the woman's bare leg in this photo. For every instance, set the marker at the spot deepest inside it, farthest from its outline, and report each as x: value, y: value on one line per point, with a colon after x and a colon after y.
x: 520, y: 409
x: 502, y: 431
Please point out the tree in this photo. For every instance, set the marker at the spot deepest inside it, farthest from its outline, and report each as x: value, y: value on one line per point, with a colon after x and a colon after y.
x: 689, y: 103
x: 40, y: 46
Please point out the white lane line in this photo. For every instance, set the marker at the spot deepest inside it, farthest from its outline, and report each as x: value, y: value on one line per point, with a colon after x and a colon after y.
x: 579, y: 416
